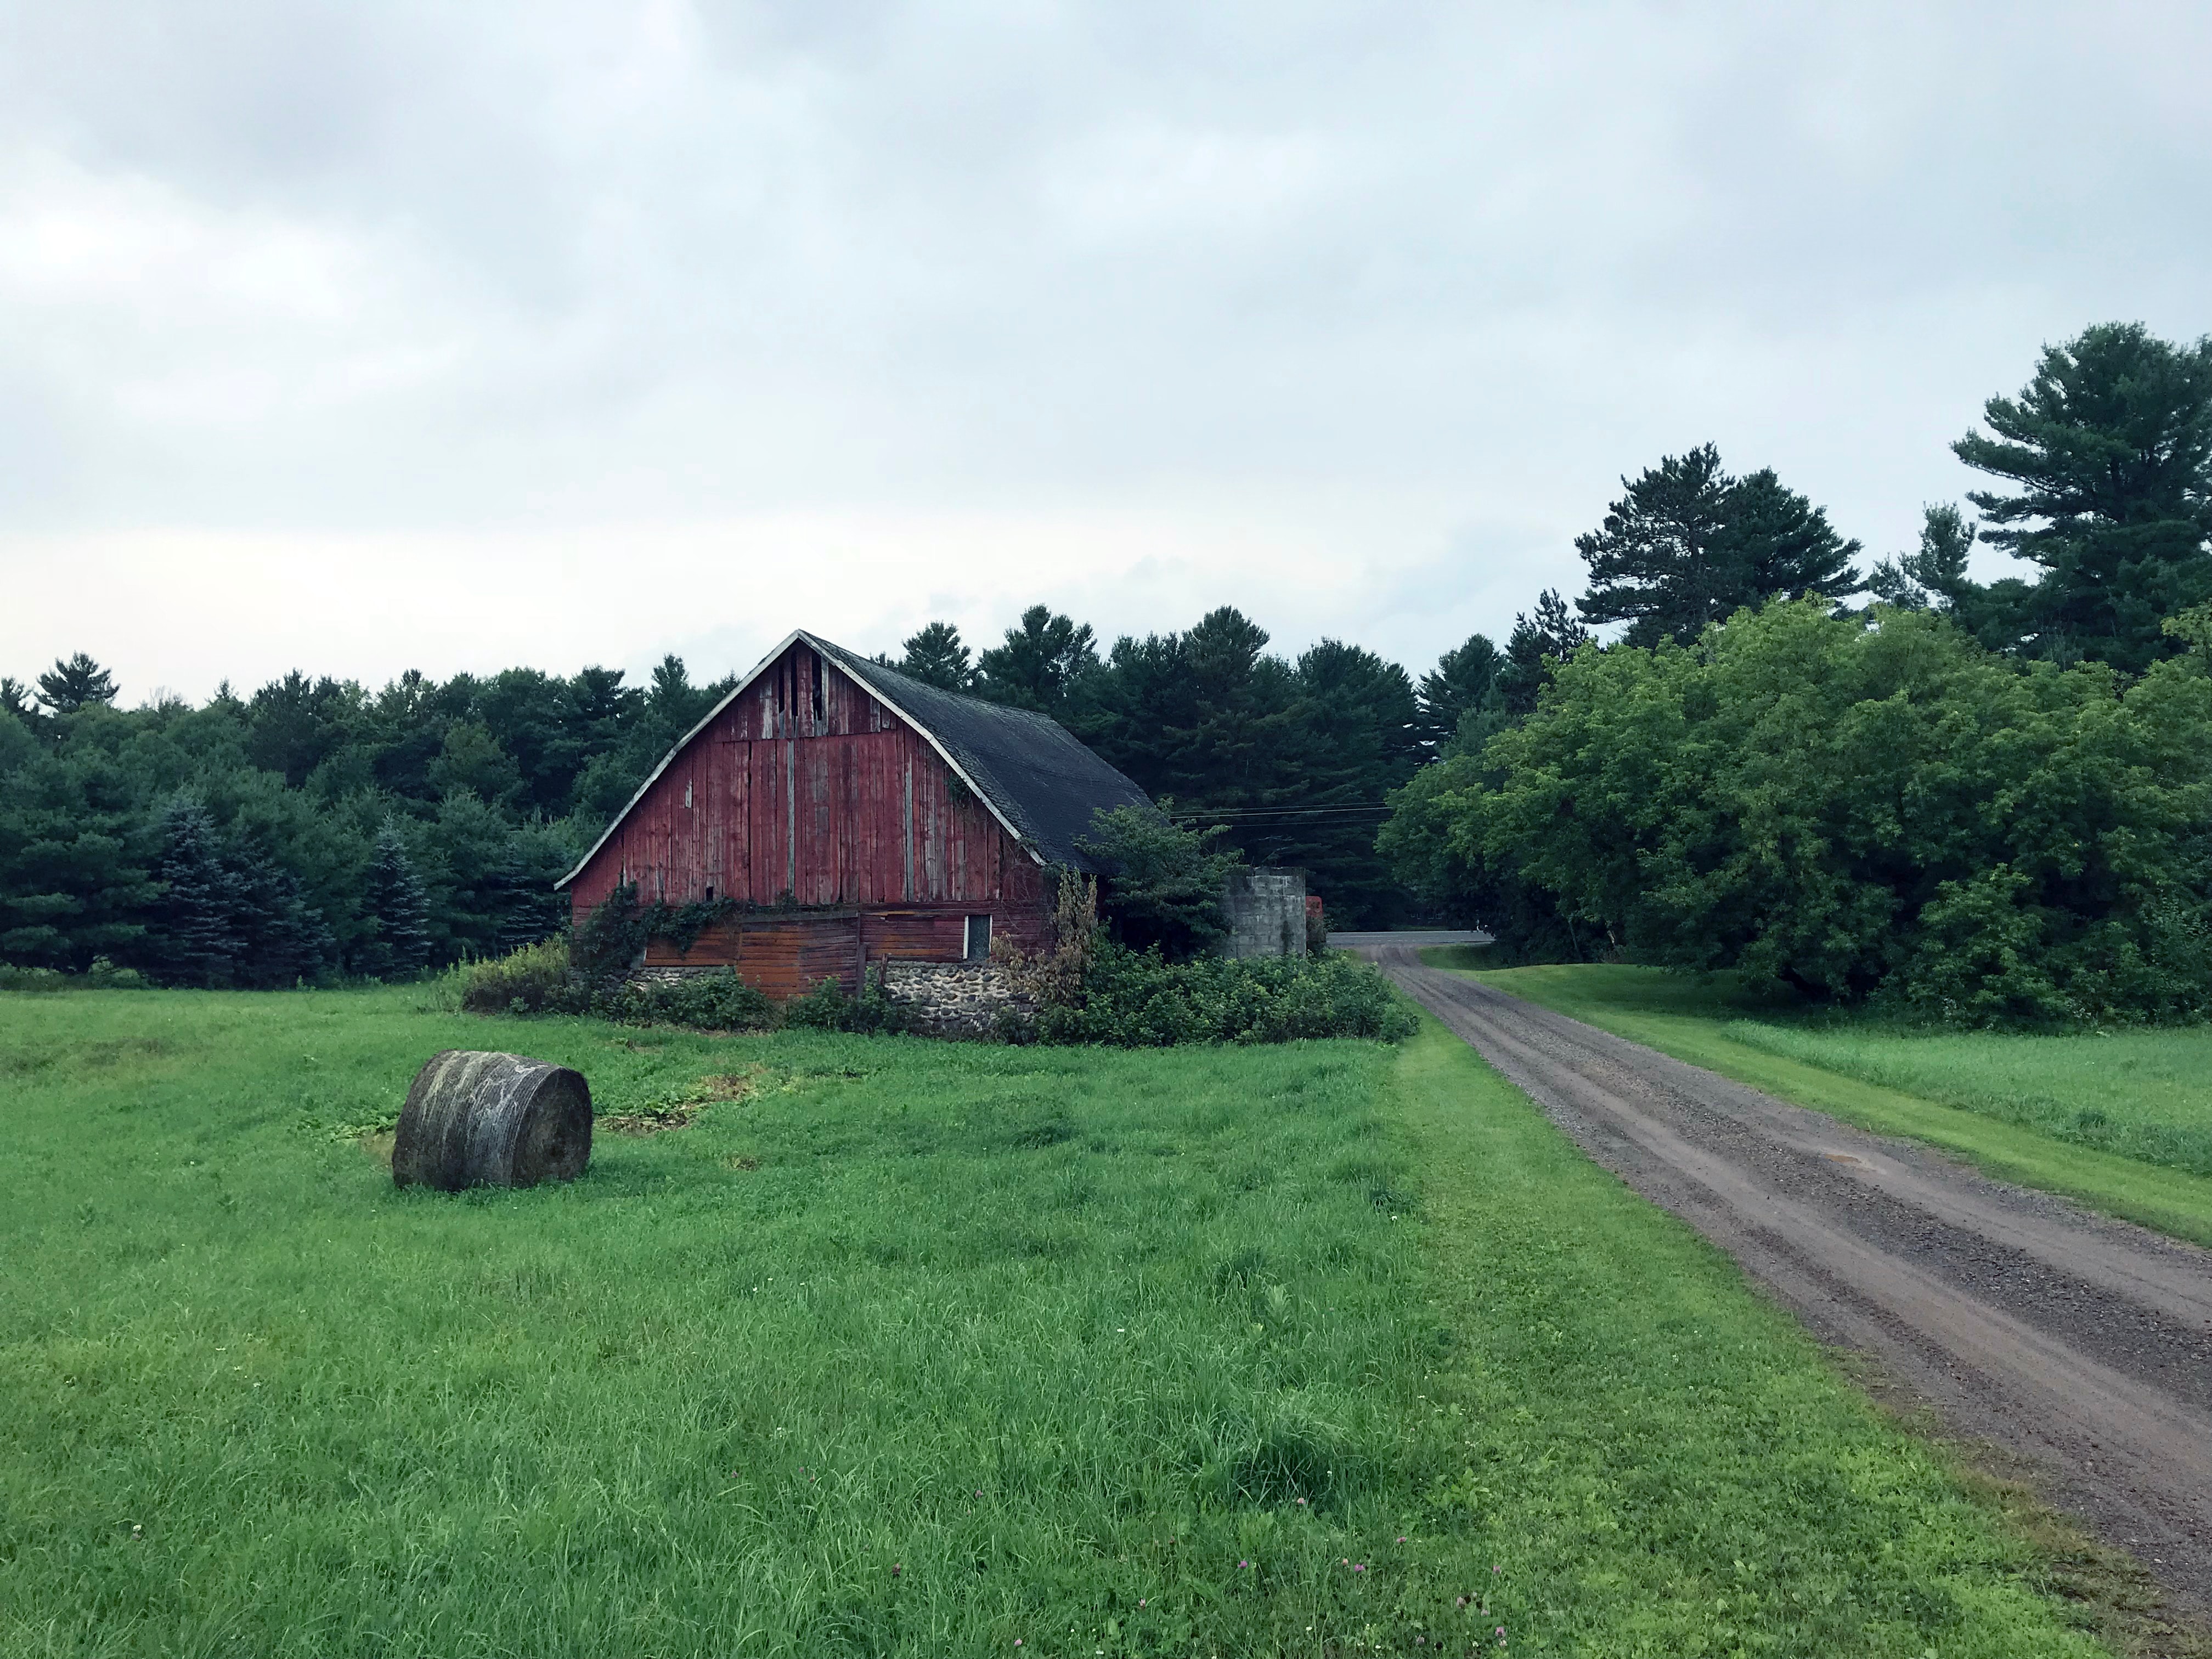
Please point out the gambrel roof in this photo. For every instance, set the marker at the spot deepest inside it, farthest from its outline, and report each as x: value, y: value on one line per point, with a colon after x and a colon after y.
x: 1041, y: 783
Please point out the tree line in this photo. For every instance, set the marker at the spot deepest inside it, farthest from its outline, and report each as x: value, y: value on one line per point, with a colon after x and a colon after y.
x: 316, y: 827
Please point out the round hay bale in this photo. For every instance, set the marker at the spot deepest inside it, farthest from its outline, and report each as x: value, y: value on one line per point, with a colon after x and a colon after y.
x: 486, y: 1120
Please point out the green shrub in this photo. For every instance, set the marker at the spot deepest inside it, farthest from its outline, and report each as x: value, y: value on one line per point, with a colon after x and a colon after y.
x: 534, y: 980
x: 34, y: 979
x: 716, y: 1002
x: 102, y: 975
x: 1136, y: 999
x: 826, y: 1007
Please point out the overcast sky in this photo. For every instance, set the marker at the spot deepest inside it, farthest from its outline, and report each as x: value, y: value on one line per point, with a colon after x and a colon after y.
x: 363, y: 338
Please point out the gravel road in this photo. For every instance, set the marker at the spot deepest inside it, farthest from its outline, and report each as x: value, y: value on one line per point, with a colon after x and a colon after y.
x: 2079, y: 1344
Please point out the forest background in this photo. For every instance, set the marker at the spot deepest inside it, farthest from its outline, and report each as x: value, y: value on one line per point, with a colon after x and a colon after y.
x: 315, y: 829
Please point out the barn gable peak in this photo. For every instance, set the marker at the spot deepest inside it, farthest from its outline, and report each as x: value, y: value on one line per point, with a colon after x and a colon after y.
x: 1031, y: 773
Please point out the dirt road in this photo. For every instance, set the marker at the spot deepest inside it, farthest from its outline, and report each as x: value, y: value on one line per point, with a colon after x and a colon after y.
x: 2080, y: 1345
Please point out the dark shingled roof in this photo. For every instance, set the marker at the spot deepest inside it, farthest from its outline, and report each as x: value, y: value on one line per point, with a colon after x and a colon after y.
x: 1044, y: 782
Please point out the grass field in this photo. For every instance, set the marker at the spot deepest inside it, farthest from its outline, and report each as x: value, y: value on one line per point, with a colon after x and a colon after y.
x: 898, y: 1347
x: 2122, y: 1119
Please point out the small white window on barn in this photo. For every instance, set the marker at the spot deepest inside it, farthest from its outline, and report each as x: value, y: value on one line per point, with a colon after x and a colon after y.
x: 979, y: 939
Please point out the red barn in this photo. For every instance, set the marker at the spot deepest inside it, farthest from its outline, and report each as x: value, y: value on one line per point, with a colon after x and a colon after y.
x: 853, y: 815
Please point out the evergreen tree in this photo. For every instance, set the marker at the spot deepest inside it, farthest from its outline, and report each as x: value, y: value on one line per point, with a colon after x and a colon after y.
x: 1461, y: 681
x: 194, y: 938
x: 282, y: 939
x: 15, y: 700
x: 523, y: 709
x: 1039, y: 661
x: 1687, y: 545
x: 936, y: 656
x: 1165, y: 882
x: 396, y: 943
x: 293, y: 725
x: 74, y: 856
x: 2111, y: 445
x: 1782, y: 546
x: 472, y: 763
x: 1536, y: 646
x: 596, y: 716
x: 77, y: 683
x: 1357, y: 738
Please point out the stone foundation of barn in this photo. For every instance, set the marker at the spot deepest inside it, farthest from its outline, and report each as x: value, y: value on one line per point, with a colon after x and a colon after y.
x: 953, y: 998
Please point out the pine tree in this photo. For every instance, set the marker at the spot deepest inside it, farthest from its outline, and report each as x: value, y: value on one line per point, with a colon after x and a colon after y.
x: 1782, y: 546
x: 1040, y: 660
x: 15, y: 700
x: 1687, y: 545
x: 2111, y: 445
x: 282, y: 939
x: 77, y: 683
x: 1461, y: 681
x: 396, y: 942
x: 936, y: 656
x: 1550, y: 636
x: 1356, y: 737
x: 194, y: 938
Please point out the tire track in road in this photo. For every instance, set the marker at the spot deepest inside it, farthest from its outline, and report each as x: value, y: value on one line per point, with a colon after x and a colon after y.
x: 2079, y: 1344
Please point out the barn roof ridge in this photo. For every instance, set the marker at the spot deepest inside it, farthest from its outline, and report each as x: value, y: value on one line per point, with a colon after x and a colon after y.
x: 1035, y: 776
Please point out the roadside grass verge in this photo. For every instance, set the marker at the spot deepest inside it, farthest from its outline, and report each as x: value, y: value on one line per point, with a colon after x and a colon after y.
x: 895, y: 1347
x: 2121, y: 1122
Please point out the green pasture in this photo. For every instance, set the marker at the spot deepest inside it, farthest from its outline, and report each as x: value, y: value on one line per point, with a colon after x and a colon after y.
x: 899, y: 1347
x: 2120, y: 1119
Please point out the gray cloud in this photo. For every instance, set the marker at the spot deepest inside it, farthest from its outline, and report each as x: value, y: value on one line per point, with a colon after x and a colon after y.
x: 693, y: 317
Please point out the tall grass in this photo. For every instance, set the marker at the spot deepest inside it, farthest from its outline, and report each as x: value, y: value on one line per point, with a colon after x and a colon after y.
x: 2142, y: 1094
x: 900, y: 1347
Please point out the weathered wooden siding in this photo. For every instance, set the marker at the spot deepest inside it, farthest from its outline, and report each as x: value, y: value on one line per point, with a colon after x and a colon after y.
x: 806, y: 790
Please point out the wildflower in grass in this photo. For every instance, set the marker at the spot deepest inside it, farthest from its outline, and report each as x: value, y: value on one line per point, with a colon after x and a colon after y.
x: 1361, y: 1567
x: 1243, y: 1564
x: 1401, y: 1540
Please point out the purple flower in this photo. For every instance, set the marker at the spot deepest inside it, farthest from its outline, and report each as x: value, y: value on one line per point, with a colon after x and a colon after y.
x: 1243, y: 1564
x: 1361, y: 1567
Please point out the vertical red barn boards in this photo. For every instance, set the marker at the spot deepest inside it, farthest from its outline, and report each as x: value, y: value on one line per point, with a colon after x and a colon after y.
x: 854, y: 815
